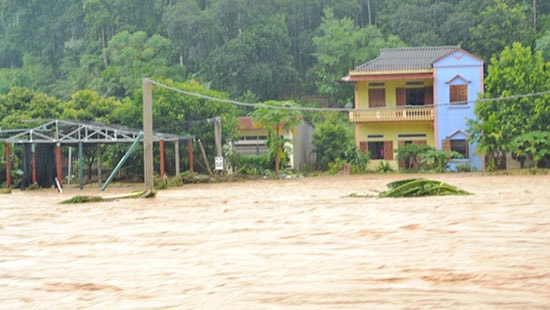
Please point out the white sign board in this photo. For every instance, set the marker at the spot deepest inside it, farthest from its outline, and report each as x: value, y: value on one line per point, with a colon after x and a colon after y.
x: 218, y: 163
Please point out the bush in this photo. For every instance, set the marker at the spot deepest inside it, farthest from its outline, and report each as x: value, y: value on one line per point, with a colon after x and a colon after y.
x: 412, y: 154
x: 437, y: 160
x: 384, y: 167
x: 357, y: 159
x: 336, y: 166
x: 250, y: 164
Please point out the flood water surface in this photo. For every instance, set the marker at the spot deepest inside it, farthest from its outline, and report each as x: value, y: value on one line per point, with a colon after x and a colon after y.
x: 302, y: 243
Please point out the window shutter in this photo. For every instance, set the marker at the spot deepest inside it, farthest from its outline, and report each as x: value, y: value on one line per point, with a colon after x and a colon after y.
x: 388, y: 150
x: 458, y: 93
x: 446, y: 145
x: 377, y: 98
x: 429, y: 96
x: 363, y: 146
x: 400, y: 96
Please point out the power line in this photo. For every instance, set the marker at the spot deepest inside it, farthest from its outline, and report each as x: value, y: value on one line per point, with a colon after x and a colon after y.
x: 262, y: 105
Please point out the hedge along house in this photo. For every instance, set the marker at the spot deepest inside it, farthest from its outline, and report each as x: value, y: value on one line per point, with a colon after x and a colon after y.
x: 421, y: 95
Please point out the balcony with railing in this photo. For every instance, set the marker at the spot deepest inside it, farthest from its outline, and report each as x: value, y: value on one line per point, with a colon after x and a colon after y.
x: 393, y: 114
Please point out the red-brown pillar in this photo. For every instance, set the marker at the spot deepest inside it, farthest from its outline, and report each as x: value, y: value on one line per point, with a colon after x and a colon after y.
x: 8, y: 166
x: 58, y: 160
x: 191, y: 155
x: 161, y: 143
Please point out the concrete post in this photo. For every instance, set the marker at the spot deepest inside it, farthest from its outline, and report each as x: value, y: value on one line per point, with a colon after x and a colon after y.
x: 148, y: 134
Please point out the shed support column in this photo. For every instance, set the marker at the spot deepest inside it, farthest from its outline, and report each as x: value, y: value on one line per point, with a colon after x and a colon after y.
x: 81, y: 165
x: 161, y: 144
x: 98, y: 150
x: 177, y: 157
x: 33, y: 162
x: 58, y: 160
x: 191, y: 155
x: 8, y: 166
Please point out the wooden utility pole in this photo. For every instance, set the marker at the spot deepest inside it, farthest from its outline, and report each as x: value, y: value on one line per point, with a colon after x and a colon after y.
x: 148, y: 134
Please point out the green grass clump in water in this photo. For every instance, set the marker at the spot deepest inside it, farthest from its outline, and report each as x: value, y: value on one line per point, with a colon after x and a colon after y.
x: 5, y: 190
x: 421, y: 187
x: 83, y: 199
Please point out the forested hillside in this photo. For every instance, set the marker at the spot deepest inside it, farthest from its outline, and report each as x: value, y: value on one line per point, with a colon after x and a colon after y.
x: 85, y: 60
x: 255, y: 50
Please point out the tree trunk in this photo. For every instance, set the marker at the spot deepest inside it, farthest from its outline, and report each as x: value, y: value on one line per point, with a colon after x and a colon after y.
x: 104, y: 44
x: 368, y: 10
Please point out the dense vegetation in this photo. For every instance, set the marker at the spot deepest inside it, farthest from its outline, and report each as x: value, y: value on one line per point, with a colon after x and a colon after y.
x: 85, y: 59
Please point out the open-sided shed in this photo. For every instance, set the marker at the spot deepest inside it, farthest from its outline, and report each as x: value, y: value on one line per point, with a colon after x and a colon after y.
x: 43, y: 153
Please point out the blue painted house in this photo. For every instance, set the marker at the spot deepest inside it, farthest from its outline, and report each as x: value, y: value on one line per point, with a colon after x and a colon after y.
x: 421, y: 95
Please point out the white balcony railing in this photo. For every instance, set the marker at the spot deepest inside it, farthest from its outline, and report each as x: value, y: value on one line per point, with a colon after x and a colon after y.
x: 392, y: 114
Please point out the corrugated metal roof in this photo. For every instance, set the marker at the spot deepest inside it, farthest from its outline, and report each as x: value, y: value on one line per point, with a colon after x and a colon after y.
x: 406, y: 58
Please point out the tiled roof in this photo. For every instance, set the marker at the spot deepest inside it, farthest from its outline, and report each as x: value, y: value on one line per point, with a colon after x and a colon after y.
x: 246, y: 123
x: 406, y: 58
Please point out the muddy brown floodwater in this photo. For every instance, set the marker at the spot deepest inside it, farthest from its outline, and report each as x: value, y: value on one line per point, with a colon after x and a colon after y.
x: 302, y: 243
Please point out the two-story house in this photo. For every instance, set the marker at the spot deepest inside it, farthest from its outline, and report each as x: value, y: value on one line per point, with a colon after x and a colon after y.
x: 421, y: 95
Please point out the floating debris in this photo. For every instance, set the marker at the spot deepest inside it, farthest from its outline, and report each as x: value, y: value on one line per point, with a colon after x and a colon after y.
x: 418, y: 187
x: 85, y: 199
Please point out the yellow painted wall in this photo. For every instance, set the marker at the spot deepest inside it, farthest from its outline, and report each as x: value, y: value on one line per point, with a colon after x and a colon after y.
x: 362, y: 91
x: 391, y: 132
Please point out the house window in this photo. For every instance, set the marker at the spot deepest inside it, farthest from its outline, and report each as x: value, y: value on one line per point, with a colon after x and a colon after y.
x: 380, y: 150
x: 459, y: 94
x: 376, y: 150
x: 415, y: 96
x: 460, y: 146
x: 377, y: 98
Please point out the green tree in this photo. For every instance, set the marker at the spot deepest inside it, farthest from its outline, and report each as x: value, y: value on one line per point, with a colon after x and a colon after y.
x: 534, y: 145
x: 498, y: 26
x: 88, y: 105
x: 543, y: 45
x: 22, y: 104
x: 332, y: 138
x: 256, y: 60
x: 341, y: 46
x: 276, y: 117
x: 132, y: 56
x: 517, y: 71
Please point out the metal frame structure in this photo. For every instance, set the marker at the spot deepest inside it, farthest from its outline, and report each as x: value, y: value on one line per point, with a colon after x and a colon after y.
x: 71, y: 132
x: 64, y: 132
